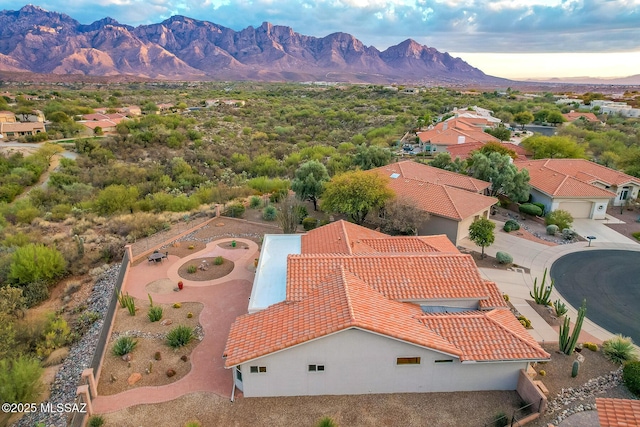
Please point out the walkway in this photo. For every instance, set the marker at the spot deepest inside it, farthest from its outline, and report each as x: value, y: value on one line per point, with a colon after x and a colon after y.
x: 224, y: 299
x: 538, y: 257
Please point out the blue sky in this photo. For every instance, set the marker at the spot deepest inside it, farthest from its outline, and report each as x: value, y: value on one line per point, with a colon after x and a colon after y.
x: 507, y: 38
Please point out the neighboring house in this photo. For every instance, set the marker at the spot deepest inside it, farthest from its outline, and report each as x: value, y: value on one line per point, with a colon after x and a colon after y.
x: 456, y: 131
x: 453, y: 200
x: 612, y: 107
x: 463, y: 151
x: 347, y: 310
x: 579, y: 186
x: 618, y: 412
x: 228, y: 102
x: 35, y: 116
x: 7, y: 117
x: 131, y: 110
x: 107, y: 126
x: 11, y: 131
x: 573, y: 116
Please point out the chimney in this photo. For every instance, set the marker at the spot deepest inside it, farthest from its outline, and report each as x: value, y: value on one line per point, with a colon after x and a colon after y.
x: 461, y: 139
x: 445, y: 125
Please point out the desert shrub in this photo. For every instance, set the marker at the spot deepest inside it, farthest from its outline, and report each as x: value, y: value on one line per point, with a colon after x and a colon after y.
x: 35, y: 292
x: 96, y: 421
x: 619, y: 349
x: 326, y: 422
x: 34, y: 262
x: 552, y: 229
x: 218, y: 260
x: 542, y: 372
x: 504, y: 258
x: 124, y: 345
x: 500, y: 420
x: 157, y: 355
x: 255, y: 202
x: 136, y: 226
x: 56, y: 334
x: 309, y: 223
x: 540, y: 205
x: 561, y: 218
x: 568, y: 234
x: 155, y: 313
x: 177, y: 305
x: 192, y: 269
x: 591, y: 346
x: 636, y: 235
x: 193, y: 423
x: 631, y: 377
x: 234, y: 210
x: 179, y: 336
x: 525, y: 322
x: 511, y: 225
x: 530, y: 209
x: 505, y: 297
x: 269, y: 213
x: 302, y: 212
x: 20, y: 380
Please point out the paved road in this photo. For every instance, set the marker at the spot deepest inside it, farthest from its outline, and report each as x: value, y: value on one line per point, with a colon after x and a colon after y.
x: 610, y: 281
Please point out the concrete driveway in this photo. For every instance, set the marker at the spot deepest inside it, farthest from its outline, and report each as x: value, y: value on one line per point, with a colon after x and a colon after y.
x: 602, y: 233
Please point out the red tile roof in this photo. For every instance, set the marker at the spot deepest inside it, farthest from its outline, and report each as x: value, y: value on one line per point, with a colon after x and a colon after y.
x: 421, y: 172
x: 339, y: 237
x: 404, y: 277
x: 573, y: 116
x: 463, y: 151
x: 618, y: 412
x: 342, y: 301
x: 450, y: 131
x: 573, y: 177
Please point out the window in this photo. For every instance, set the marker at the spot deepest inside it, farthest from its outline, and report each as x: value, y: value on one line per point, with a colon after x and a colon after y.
x: 408, y: 361
x: 316, y: 368
x: 444, y: 361
x: 238, y: 373
x: 258, y: 369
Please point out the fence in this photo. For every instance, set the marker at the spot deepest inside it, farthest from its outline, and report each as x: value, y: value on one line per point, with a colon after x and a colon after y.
x: 518, y: 418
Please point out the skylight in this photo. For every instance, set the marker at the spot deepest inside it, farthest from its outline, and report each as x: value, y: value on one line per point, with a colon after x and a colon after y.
x: 395, y: 175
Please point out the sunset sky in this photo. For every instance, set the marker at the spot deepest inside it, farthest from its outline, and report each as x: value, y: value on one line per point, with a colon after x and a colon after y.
x: 506, y: 38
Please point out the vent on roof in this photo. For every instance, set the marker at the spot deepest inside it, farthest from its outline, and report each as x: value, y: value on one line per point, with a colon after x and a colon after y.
x: 395, y: 175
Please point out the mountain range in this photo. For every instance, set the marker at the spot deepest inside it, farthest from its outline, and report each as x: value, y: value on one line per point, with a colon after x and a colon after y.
x: 181, y: 48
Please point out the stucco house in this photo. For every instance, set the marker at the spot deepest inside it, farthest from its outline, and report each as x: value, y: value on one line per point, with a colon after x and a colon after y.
x: 579, y: 186
x: 16, y: 130
x: 453, y: 200
x: 456, y: 131
x: 348, y: 310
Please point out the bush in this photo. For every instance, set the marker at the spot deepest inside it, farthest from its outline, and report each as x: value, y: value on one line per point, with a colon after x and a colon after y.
x: 552, y: 229
x: 34, y: 262
x: 192, y: 269
x: 591, y: 346
x: 193, y: 424
x: 540, y: 205
x: 530, y: 209
x: 20, y: 380
x: 560, y: 308
x: 255, y: 202
x: 568, y: 234
x: 269, y: 213
x: 504, y: 258
x: 96, y: 421
x: 35, y: 292
x: 631, y: 377
x: 234, y: 210
x: 155, y: 313
x: 511, y: 225
x: 326, y: 422
x: 302, y: 212
x: 179, y: 336
x: 218, y: 260
x: 636, y: 235
x: 619, y: 349
x: 309, y: 223
x: 501, y: 420
x: 124, y: 345
x: 525, y: 322
x: 561, y: 218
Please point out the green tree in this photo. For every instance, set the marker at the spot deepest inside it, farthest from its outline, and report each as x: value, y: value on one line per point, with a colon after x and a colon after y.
x: 495, y: 147
x: 20, y: 380
x: 308, y: 181
x: 35, y: 262
x: 443, y: 161
x: 553, y: 147
x: 115, y: 198
x: 355, y: 194
x: 371, y: 157
x: 500, y: 132
x: 555, y: 117
x: 402, y: 217
x: 523, y: 118
x: 503, y: 175
x: 481, y: 233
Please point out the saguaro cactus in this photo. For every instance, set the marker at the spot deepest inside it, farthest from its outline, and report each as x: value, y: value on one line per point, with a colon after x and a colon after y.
x: 568, y: 342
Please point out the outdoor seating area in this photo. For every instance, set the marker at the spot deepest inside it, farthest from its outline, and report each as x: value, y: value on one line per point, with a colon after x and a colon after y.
x: 158, y: 256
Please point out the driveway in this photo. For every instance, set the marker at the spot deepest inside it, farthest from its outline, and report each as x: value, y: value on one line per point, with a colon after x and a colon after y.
x: 602, y: 233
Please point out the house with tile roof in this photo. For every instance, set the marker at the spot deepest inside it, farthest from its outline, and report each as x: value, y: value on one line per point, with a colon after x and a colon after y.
x: 7, y: 117
x: 10, y: 131
x: 572, y: 116
x: 452, y: 200
x: 458, y: 130
x: 354, y: 311
x: 618, y: 412
x: 579, y: 186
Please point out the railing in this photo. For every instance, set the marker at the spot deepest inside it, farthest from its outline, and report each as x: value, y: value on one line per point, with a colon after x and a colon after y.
x: 518, y: 418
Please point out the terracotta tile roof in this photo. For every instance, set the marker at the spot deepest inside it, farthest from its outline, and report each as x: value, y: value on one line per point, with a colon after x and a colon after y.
x: 403, y: 277
x: 618, y: 412
x: 573, y: 116
x: 104, y: 124
x: 496, y: 300
x: 572, y: 178
x: 22, y: 126
x: 449, y: 131
x: 421, y: 172
x: 486, y: 336
x: 410, y: 244
x: 336, y: 238
x: 341, y: 301
x: 441, y: 200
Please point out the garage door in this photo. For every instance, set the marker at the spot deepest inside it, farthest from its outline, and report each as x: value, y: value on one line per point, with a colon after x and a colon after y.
x: 577, y: 209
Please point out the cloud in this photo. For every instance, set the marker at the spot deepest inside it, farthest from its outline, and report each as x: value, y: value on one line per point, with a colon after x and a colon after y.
x: 514, y: 26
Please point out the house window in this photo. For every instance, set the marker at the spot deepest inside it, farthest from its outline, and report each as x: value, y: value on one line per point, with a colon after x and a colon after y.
x: 316, y: 368
x: 238, y: 373
x: 408, y: 361
x: 444, y: 361
x: 258, y: 369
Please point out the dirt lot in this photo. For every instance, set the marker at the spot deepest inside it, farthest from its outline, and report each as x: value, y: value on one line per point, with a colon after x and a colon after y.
x: 630, y: 218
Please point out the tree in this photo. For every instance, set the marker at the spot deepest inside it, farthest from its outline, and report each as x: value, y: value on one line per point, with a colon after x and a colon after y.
x: 402, y: 216
x: 495, y: 147
x: 115, y: 198
x: 288, y: 216
x: 371, y: 157
x: 355, y: 194
x: 443, y: 161
x: 523, y: 118
x: 503, y: 175
x: 559, y: 217
x: 308, y: 181
x: 500, y: 132
x: 555, y: 117
x: 553, y: 147
x: 481, y: 233
x: 34, y: 262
